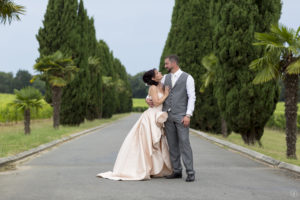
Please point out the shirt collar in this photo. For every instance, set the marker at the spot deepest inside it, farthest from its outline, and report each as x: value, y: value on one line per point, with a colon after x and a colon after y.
x: 176, y: 74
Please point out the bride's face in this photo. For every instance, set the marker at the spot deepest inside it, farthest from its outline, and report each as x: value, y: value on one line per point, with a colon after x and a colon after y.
x: 158, y: 76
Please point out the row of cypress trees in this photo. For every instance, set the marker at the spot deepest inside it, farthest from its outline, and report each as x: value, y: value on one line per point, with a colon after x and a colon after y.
x: 225, y: 28
x: 94, y: 91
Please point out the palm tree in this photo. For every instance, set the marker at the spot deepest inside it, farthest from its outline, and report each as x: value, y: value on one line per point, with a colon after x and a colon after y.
x: 58, y: 71
x: 281, y: 60
x: 210, y: 63
x: 10, y: 11
x: 26, y: 100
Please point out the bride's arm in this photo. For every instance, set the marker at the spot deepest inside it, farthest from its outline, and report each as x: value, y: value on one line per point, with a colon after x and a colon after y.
x: 154, y: 94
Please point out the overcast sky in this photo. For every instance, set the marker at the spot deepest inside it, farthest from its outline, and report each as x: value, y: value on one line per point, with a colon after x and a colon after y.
x: 135, y: 30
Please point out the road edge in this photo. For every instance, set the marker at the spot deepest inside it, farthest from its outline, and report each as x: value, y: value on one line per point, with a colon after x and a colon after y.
x: 254, y: 154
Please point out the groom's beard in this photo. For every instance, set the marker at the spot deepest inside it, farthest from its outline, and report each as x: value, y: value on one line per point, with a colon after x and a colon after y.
x: 169, y: 70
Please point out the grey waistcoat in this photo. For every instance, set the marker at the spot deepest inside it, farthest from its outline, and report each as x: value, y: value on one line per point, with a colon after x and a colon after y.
x: 177, y: 100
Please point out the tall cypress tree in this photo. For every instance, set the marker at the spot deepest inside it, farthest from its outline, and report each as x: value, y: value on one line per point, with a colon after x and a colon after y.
x: 58, y: 31
x: 190, y: 39
x: 94, y: 100
x: 117, y: 94
x: 103, y: 53
x: 123, y: 88
x: 245, y: 107
x: 109, y: 91
x: 74, y: 98
x: 48, y: 34
x: 59, y: 28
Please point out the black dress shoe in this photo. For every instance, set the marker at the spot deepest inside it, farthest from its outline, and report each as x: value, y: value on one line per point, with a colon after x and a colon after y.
x: 190, y: 178
x: 174, y: 175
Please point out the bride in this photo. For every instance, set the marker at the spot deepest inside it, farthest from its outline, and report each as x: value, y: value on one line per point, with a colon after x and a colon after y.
x: 144, y: 152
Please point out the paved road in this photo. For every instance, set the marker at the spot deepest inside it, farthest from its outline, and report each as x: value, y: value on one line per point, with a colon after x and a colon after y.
x: 69, y: 170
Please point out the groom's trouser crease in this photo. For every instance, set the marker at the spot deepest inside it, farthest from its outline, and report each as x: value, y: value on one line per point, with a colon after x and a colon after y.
x: 179, y: 144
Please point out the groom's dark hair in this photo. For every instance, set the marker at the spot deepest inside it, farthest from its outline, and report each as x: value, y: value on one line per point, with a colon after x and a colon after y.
x: 173, y: 58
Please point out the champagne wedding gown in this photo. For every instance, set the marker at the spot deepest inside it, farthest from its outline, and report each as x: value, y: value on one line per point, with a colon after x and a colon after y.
x: 144, y: 152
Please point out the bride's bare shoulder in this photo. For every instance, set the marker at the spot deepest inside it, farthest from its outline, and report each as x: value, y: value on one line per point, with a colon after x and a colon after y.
x: 153, y: 88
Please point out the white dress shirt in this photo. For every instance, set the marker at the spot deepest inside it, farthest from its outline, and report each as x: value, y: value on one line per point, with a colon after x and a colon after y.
x: 190, y: 87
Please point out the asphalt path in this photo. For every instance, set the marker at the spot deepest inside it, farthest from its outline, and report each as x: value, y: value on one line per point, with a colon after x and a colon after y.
x: 68, y: 171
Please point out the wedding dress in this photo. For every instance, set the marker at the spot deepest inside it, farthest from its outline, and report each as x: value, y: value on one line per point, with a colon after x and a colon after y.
x: 144, y: 152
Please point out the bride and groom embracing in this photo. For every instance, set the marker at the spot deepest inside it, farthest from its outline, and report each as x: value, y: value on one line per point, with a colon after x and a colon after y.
x: 155, y: 144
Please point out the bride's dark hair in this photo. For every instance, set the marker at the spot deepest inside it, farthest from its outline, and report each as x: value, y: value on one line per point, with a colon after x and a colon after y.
x: 147, y: 77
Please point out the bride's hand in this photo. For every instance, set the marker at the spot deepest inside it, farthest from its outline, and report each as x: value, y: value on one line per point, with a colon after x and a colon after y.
x: 167, y: 90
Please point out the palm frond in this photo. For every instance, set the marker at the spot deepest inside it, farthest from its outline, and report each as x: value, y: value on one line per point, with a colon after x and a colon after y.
x: 57, y: 81
x: 267, y: 66
x: 210, y: 63
x: 107, y: 81
x: 286, y: 34
x: 207, y: 79
x: 34, y: 78
x: 10, y: 11
x: 120, y: 84
x: 56, y: 68
x: 271, y: 57
x: 268, y: 39
x: 71, y: 68
x: 294, y: 67
x: 94, y: 64
x: 94, y: 60
x: 27, y: 97
x: 267, y: 73
x: 281, y: 44
x: 258, y: 63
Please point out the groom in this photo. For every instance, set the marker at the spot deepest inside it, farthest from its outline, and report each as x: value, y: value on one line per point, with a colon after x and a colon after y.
x: 180, y: 106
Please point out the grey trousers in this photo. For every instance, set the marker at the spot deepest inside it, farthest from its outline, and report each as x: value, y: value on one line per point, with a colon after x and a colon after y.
x: 179, y: 144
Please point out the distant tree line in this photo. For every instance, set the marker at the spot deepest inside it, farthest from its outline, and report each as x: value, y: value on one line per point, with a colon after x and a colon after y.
x: 9, y: 82
x: 138, y: 87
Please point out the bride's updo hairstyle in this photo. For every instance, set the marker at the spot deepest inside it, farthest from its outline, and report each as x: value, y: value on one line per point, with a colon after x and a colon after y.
x: 147, y: 77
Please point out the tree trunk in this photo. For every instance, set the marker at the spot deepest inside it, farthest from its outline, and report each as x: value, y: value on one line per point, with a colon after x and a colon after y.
x: 27, y: 121
x: 56, y: 101
x: 291, y: 88
x: 224, y: 127
x: 249, y: 137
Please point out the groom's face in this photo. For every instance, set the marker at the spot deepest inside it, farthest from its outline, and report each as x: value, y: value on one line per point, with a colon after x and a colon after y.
x: 168, y: 65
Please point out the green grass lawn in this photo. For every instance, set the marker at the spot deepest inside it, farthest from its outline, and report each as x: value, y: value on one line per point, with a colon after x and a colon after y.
x: 139, y: 103
x: 13, y: 140
x: 6, y: 98
x: 273, y: 142
x: 280, y: 108
x: 8, y: 114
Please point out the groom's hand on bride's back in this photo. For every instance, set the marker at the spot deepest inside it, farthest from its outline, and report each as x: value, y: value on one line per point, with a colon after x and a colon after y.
x: 149, y: 102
